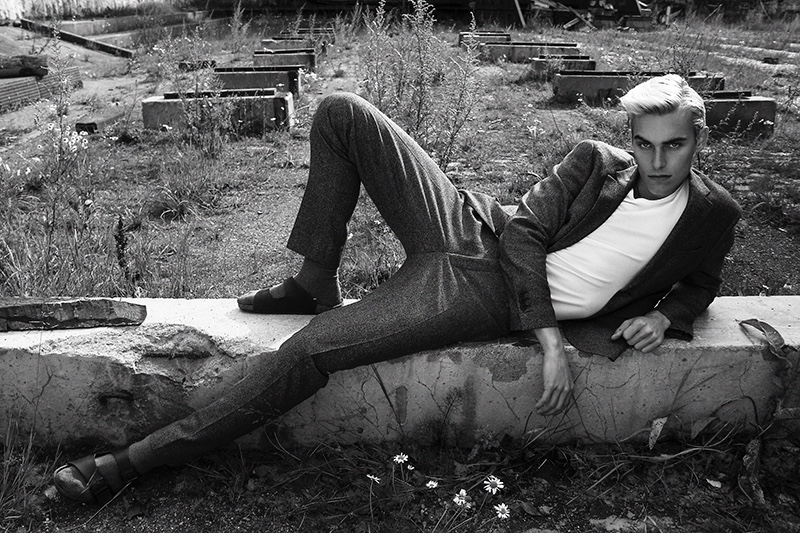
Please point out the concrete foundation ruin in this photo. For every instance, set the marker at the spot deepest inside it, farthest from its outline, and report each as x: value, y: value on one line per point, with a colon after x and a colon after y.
x: 114, y: 385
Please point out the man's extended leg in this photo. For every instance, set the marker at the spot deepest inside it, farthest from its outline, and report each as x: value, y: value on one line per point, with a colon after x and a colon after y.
x: 433, y: 300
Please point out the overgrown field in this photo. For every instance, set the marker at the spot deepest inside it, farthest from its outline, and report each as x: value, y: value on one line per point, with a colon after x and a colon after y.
x: 205, y: 213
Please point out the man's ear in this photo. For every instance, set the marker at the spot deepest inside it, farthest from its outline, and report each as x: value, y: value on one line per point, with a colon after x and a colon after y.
x: 702, y: 139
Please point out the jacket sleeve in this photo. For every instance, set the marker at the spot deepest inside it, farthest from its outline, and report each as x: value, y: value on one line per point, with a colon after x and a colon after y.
x: 542, y: 211
x: 694, y: 293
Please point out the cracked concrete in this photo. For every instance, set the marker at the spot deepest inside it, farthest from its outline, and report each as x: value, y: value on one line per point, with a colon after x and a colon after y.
x: 113, y: 385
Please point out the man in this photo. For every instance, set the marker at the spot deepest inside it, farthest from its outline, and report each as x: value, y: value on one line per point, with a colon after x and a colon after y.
x: 614, y: 249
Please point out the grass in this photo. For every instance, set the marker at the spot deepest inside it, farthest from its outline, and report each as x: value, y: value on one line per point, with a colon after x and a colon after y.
x: 200, y: 214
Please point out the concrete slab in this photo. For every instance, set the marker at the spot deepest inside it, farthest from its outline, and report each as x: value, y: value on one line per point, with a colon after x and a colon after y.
x: 324, y: 34
x: 196, y: 64
x: 599, y: 87
x: 484, y: 37
x: 522, y: 52
x: 51, y: 84
x: 17, y: 92
x: 100, y: 120
x: 287, y: 43
x: 305, y: 57
x: 118, y: 384
x: 280, y: 78
x: 740, y: 114
x: 252, y: 111
x: 94, y: 44
x: 544, y: 68
x: 90, y: 27
x: 23, y: 66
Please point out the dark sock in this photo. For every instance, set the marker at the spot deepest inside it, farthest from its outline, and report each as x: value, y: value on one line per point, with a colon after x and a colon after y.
x: 320, y: 282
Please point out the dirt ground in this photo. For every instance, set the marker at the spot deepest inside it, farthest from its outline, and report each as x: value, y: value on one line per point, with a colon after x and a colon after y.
x: 690, y: 486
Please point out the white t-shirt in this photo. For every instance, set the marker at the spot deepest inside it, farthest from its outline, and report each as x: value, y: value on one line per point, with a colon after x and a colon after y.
x: 584, y: 276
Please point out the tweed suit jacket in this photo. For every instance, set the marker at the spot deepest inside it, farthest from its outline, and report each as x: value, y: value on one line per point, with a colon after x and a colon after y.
x: 681, y: 280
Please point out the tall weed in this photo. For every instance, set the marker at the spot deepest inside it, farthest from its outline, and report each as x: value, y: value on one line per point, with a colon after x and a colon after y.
x: 414, y: 77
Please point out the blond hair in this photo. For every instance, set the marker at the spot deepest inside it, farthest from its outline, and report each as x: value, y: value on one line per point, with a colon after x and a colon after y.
x: 663, y: 95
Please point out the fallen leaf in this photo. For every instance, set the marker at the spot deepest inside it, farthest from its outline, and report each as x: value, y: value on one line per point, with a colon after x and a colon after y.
x: 714, y: 483
x: 655, y: 430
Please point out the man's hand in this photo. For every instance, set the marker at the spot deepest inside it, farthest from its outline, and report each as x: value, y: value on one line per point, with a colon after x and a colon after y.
x: 556, y: 374
x: 645, y: 333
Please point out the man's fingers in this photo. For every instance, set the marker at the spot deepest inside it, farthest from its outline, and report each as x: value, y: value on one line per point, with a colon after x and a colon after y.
x: 621, y: 329
x: 553, y: 401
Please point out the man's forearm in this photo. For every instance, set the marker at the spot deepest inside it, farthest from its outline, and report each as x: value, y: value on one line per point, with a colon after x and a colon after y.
x: 550, y: 339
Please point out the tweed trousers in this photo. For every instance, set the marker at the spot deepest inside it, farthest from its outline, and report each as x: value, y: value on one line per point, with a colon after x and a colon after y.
x: 449, y: 289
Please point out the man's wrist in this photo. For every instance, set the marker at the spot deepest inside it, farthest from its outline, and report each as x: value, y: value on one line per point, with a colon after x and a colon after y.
x: 661, y: 317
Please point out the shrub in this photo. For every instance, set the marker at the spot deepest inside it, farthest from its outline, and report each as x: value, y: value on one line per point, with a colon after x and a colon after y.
x: 412, y: 76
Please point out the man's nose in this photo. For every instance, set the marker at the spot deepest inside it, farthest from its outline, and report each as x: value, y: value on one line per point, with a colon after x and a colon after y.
x: 659, y: 161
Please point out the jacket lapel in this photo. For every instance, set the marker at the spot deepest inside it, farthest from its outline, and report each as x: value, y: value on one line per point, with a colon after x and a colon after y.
x: 612, y: 192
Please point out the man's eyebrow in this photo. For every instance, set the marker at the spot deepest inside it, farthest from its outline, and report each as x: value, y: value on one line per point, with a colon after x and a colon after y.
x: 668, y: 141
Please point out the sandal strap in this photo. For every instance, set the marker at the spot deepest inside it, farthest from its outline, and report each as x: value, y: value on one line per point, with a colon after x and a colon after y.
x: 296, y: 301
x: 100, y: 488
x: 126, y: 470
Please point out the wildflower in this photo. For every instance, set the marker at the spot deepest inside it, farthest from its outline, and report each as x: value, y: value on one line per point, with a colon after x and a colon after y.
x: 432, y: 484
x: 502, y: 511
x: 493, y: 484
x: 410, y: 467
x: 376, y: 479
x: 460, y: 498
x: 400, y: 458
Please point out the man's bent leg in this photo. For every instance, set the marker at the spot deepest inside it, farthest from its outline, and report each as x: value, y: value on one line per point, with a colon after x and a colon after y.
x: 353, y: 143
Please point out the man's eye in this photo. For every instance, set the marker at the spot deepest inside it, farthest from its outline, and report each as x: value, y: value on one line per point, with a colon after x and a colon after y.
x: 675, y: 146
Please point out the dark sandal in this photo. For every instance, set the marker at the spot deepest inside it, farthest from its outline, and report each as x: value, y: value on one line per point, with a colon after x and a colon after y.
x: 297, y: 301
x: 100, y: 490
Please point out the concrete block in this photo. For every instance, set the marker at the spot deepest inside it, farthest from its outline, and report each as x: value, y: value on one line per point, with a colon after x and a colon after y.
x: 118, y: 384
x: 598, y: 87
x: 638, y: 22
x: 94, y: 44
x: 51, y: 84
x: 320, y: 34
x: 22, y: 314
x: 197, y: 64
x: 523, y: 52
x: 23, y: 66
x: 288, y: 43
x: 483, y: 37
x: 17, y: 92
x: 280, y: 78
x: 740, y: 114
x: 306, y: 57
x: 100, y: 120
x: 545, y: 67
x: 253, y: 111
x: 117, y: 24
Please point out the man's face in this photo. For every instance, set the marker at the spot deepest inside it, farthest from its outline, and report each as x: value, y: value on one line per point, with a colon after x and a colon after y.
x: 663, y: 147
